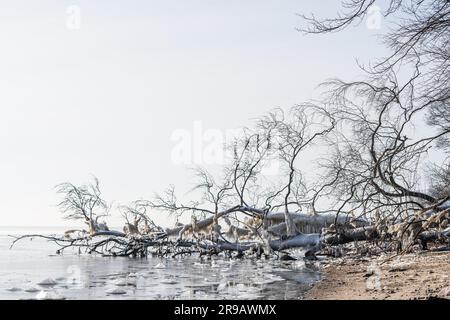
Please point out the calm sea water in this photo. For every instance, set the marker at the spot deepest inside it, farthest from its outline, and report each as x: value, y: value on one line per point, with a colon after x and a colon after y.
x: 94, y: 277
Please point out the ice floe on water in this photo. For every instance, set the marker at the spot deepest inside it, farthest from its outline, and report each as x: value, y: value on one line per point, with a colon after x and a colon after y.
x: 160, y: 266
x: 169, y: 281
x: 214, y: 264
x: 125, y: 280
x: 120, y: 282
x: 48, y: 295
x: 116, y: 291
x: 48, y: 282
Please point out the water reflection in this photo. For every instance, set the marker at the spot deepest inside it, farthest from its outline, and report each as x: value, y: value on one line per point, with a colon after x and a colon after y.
x: 94, y: 277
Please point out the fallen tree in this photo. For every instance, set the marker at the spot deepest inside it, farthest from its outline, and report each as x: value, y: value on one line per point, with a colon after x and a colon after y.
x: 205, y: 237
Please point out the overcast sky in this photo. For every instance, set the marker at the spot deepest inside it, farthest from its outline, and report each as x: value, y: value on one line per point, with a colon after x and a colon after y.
x: 103, y: 93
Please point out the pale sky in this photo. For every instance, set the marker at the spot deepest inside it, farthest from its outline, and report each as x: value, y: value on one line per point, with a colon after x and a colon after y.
x: 106, y: 98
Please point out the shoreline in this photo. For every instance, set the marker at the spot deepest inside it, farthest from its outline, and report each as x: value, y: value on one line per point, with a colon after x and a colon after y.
x: 424, y: 275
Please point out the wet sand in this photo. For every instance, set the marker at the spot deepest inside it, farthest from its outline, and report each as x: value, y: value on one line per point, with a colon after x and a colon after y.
x: 424, y: 275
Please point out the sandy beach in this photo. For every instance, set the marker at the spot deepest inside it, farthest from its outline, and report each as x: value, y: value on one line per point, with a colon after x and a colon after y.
x: 422, y: 275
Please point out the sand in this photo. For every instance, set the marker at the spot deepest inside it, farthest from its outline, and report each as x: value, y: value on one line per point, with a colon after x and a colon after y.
x: 424, y: 275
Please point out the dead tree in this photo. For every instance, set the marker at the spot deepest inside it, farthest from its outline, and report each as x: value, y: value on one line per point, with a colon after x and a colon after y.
x: 84, y: 203
x: 378, y: 159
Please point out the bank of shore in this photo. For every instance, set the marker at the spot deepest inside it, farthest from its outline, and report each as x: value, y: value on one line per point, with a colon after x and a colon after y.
x: 423, y: 275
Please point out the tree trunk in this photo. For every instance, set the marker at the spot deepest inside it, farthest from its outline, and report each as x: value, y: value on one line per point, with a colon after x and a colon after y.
x: 291, y: 230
